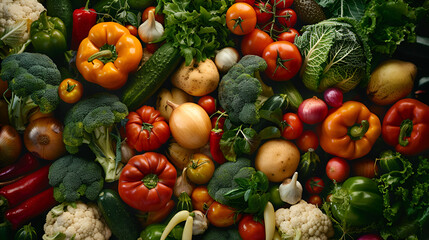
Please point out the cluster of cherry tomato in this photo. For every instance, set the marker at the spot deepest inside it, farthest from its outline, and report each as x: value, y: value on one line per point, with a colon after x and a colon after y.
x: 267, y: 31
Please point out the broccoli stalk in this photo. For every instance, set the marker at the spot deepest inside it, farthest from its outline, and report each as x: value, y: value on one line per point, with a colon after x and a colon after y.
x: 92, y: 121
x: 33, y: 79
x: 101, y: 145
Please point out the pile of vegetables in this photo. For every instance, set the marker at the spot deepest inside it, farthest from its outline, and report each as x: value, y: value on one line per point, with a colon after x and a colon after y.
x: 180, y: 119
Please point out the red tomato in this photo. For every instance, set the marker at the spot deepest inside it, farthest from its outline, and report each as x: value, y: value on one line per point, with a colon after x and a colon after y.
x: 133, y: 30
x: 158, y: 17
x: 201, y: 199
x: 146, y: 129
x: 272, y: 28
x: 264, y: 12
x: 280, y: 4
x: 208, y: 103
x: 287, y: 17
x: 337, y: 169
x: 241, y: 18
x: 250, y: 2
x: 307, y: 140
x: 152, y: 47
x: 288, y: 35
x: 314, y: 185
x: 249, y: 229
x: 148, y: 218
x: 292, y: 126
x: 255, y: 42
x: 146, y: 182
x: 316, y: 200
x: 365, y: 167
x: 283, y: 59
x: 220, y: 215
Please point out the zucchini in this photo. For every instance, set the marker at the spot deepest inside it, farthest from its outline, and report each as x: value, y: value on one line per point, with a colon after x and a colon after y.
x: 150, y: 77
x: 120, y: 220
x: 293, y: 95
x: 277, y: 101
x: 63, y: 10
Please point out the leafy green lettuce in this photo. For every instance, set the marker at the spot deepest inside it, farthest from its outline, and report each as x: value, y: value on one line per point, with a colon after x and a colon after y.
x: 406, y: 199
x: 197, y: 27
x: 335, y: 54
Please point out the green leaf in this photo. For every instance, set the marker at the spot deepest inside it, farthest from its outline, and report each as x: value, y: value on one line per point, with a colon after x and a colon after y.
x: 343, y: 8
x: 269, y: 133
x: 247, y: 194
x: 132, y: 18
x: 274, y: 116
x: 242, y: 182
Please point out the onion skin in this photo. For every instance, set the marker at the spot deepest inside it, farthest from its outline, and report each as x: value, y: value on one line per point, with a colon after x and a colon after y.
x: 312, y: 110
x: 333, y: 97
x: 370, y: 237
x: 44, y: 138
x: 10, y: 145
x: 190, y: 125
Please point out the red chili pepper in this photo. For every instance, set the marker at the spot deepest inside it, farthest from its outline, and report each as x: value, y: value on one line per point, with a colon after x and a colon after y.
x: 31, y: 208
x: 26, y: 187
x: 25, y: 164
x: 84, y: 19
x: 215, y: 137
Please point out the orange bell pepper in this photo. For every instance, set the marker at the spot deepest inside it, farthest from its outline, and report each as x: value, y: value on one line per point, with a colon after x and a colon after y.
x: 108, y: 55
x: 350, y: 131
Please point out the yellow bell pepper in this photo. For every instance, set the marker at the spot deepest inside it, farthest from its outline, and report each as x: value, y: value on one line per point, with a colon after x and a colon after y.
x: 108, y: 55
x: 350, y: 131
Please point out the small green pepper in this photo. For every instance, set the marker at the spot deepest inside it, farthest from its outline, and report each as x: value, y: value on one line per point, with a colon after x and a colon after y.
x: 48, y: 35
x: 357, y: 202
x: 154, y: 232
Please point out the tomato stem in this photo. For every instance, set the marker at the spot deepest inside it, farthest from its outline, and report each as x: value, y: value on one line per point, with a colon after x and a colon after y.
x: 238, y: 22
x: 70, y: 87
x: 150, y: 180
x: 280, y: 62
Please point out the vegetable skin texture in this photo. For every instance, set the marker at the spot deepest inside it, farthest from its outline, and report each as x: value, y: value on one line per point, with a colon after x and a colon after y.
x: 33, y: 79
x: 73, y: 177
x: 77, y: 221
x: 91, y: 121
x: 241, y: 92
x: 214, y: 233
x: 305, y: 220
x: 334, y: 54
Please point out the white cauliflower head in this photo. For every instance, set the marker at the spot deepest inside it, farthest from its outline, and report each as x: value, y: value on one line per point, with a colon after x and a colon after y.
x: 303, y: 219
x: 15, y: 11
x: 80, y: 220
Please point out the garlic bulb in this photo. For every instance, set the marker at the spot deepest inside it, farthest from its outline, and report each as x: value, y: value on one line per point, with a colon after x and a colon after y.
x: 291, y: 190
x: 200, y: 223
x: 226, y: 58
x: 150, y: 30
x: 182, y: 185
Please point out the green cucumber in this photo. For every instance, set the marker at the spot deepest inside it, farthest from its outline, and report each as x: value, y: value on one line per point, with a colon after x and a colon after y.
x: 63, y: 10
x: 120, y: 220
x: 277, y: 101
x: 149, y: 78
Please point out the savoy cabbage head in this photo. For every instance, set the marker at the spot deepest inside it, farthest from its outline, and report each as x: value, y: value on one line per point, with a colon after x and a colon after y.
x: 335, y: 54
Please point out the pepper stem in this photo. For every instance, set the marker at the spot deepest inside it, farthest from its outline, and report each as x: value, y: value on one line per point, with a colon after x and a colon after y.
x: 44, y: 20
x: 86, y: 5
x: 405, y: 131
x: 150, y: 180
x: 357, y: 131
x: 104, y: 53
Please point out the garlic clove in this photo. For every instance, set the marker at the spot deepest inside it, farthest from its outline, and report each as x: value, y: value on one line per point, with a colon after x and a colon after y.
x: 291, y: 190
x: 151, y: 30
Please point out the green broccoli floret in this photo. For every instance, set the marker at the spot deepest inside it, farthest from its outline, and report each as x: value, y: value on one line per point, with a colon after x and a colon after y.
x: 241, y: 91
x: 223, y: 178
x: 33, y: 79
x: 91, y: 121
x: 73, y: 177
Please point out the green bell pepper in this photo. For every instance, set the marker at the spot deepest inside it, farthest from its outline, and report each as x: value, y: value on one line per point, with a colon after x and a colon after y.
x: 48, y: 35
x: 5, y: 230
x: 357, y: 202
x: 154, y: 232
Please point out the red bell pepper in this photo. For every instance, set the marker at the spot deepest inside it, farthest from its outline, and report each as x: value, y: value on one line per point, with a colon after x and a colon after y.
x: 406, y: 126
x: 25, y: 164
x: 84, y: 19
x: 31, y: 208
x: 25, y: 188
